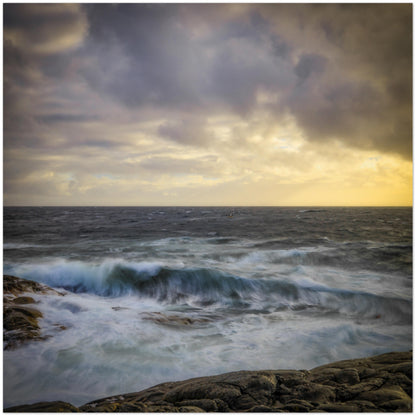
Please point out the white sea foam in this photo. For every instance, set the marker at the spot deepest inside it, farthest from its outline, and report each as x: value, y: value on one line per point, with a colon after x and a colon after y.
x: 154, y: 297
x: 203, y: 287
x: 111, y: 346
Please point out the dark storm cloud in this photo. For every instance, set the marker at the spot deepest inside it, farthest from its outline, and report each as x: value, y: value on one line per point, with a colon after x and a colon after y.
x: 36, y: 18
x: 364, y: 97
x: 308, y: 64
x: 16, y: 64
x: 141, y: 55
x: 280, y: 47
x: 238, y: 76
x: 37, y: 39
x: 344, y: 110
x: 19, y: 77
x: 339, y: 71
x: 43, y: 28
x: 355, y: 88
x: 66, y: 118
x: 147, y: 57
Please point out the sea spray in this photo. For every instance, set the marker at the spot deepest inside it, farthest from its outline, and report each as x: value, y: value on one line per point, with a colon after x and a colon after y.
x: 145, y: 299
x: 208, y: 287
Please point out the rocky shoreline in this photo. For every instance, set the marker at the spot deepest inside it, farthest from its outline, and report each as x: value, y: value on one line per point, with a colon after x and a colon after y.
x: 20, y: 316
x: 381, y: 383
x: 377, y: 384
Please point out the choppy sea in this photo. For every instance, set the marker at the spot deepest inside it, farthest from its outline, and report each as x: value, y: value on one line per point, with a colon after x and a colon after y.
x: 157, y: 294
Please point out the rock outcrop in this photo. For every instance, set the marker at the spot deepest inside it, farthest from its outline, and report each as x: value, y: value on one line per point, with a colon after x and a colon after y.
x: 20, y: 316
x: 377, y: 384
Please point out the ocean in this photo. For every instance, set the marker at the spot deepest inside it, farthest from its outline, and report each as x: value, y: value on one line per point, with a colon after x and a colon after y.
x: 156, y: 294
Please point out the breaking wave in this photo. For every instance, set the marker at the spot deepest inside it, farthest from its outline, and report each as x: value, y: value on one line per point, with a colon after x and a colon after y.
x: 204, y: 287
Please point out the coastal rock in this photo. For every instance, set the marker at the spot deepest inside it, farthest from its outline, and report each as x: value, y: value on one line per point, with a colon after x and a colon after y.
x: 15, y: 286
x: 45, y: 407
x: 376, y: 384
x: 173, y: 319
x: 20, y: 321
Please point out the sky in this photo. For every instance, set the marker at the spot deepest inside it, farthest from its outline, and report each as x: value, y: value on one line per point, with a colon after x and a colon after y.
x: 207, y: 104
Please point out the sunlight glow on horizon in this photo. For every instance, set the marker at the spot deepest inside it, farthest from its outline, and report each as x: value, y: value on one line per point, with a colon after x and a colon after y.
x: 208, y: 105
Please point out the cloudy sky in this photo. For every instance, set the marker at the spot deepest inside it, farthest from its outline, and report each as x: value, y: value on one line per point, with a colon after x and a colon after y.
x: 207, y: 104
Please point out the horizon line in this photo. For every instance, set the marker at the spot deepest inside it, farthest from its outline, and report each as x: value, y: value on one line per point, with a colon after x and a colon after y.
x: 211, y: 206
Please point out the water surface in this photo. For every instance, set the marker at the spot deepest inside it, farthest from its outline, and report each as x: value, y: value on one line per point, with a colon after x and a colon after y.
x: 161, y: 294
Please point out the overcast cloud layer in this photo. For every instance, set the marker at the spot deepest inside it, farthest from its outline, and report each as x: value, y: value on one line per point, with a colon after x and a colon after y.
x: 207, y: 104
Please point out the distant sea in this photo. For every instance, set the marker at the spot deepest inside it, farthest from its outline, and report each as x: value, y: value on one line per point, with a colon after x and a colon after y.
x: 157, y: 294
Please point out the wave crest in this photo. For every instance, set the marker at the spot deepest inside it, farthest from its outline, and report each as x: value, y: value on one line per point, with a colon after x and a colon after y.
x: 204, y: 287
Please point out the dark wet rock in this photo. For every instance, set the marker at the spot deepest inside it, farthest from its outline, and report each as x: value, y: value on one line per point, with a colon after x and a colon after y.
x: 20, y: 321
x: 118, y: 308
x: 348, y: 376
x: 363, y: 405
x: 13, y: 285
x: 190, y: 409
x: 375, y: 384
x: 384, y: 394
x: 261, y: 409
x: 302, y: 403
x: 16, y: 316
x: 339, y: 408
x: 20, y: 324
x: 44, y: 407
x: 60, y: 327
x: 23, y: 300
x: 173, y: 319
x: 208, y: 405
x: 295, y: 407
